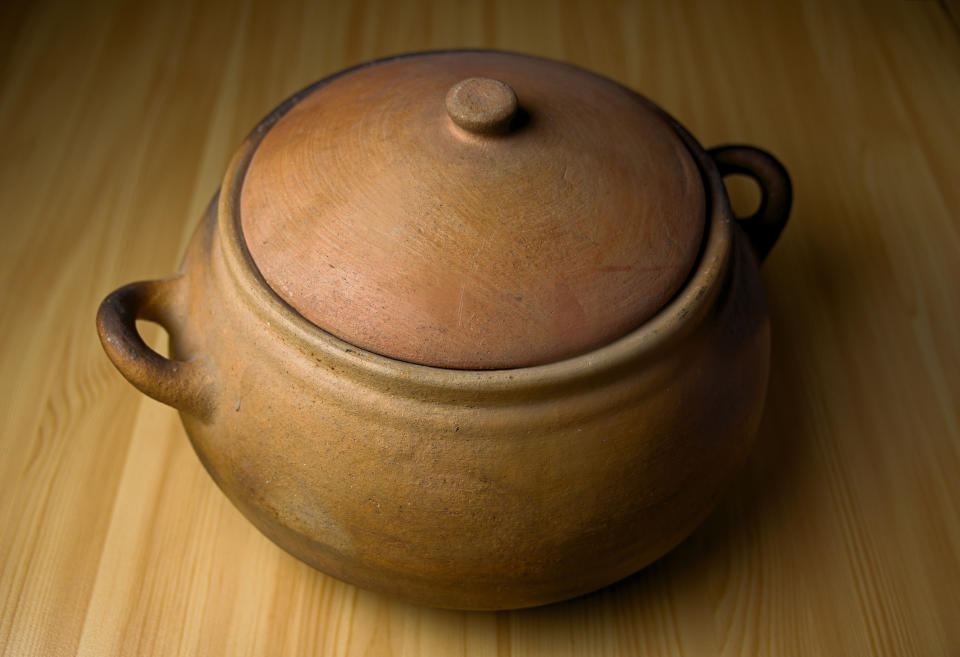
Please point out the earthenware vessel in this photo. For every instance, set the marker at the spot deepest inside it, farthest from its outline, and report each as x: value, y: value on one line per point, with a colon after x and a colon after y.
x: 471, y: 328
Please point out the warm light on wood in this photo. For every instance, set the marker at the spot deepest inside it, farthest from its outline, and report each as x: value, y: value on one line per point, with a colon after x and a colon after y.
x: 842, y: 537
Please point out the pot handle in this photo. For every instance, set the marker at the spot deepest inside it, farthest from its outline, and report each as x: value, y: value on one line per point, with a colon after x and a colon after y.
x: 184, y: 384
x: 764, y: 226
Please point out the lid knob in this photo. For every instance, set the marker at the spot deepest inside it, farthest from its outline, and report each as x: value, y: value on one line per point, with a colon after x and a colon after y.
x: 482, y: 106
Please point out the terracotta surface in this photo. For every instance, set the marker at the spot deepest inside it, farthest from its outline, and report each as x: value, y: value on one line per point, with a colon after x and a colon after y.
x: 484, y: 106
x: 553, y: 230
x: 464, y: 489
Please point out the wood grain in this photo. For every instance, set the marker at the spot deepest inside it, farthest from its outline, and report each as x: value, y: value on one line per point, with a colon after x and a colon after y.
x: 841, y: 538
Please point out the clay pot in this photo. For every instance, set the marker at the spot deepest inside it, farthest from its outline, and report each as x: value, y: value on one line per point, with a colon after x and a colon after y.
x: 471, y: 328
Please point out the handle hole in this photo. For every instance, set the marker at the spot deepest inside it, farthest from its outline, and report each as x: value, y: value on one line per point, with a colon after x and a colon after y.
x: 155, y: 336
x: 745, y: 194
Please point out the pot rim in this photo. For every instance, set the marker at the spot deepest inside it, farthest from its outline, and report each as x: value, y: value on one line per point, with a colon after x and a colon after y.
x: 687, y: 309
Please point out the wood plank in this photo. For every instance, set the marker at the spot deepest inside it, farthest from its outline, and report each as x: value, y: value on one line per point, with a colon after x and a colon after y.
x: 841, y: 537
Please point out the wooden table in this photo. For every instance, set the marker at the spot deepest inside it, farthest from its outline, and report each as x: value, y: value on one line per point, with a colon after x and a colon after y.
x: 842, y: 537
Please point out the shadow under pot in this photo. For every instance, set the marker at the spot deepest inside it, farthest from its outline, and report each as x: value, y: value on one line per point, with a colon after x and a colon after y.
x: 475, y: 329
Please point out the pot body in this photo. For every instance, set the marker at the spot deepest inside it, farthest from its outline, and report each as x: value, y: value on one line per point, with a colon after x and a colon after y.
x: 461, y: 489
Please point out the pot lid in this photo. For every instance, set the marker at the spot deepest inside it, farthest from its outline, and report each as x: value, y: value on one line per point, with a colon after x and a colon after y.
x: 474, y: 210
